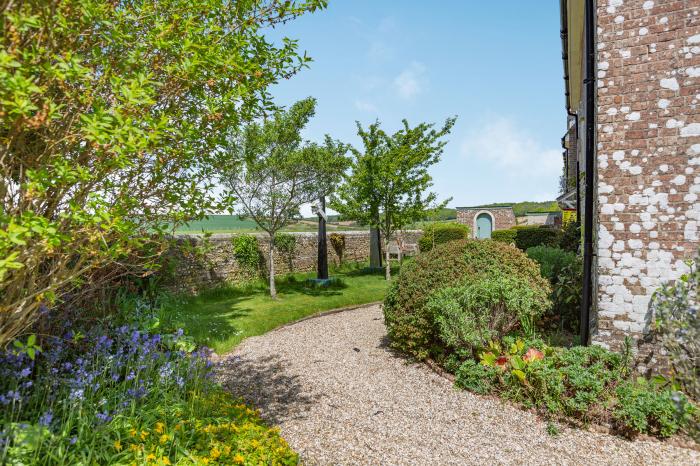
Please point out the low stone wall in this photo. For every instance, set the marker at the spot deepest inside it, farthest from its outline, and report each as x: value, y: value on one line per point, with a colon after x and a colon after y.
x: 196, y: 264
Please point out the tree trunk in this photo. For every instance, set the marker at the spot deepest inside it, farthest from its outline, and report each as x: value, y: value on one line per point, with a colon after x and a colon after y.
x: 386, y: 256
x: 273, y: 290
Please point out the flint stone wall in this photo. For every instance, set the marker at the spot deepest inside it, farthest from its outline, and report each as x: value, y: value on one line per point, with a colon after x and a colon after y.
x: 196, y: 264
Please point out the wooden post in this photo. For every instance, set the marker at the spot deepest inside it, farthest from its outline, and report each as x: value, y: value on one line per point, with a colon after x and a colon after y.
x: 322, y: 270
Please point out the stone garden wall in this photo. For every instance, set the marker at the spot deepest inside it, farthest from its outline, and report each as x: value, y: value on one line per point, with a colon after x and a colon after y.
x: 196, y: 263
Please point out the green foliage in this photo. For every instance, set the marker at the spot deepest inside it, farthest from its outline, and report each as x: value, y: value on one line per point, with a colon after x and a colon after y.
x: 643, y: 407
x: 570, y: 239
x: 586, y: 383
x: 551, y: 260
x: 269, y: 172
x: 411, y: 322
x: 388, y: 182
x: 567, y: 294
x: 525, y: 237
x: 247, y: 253
x: 475, y: 377
x: 678, y: 325
x: 286, y: 244
x: 109, y: 115
x: 504, y: 236
x: 338, y: 245
x: 439, y: 233
x: 487, y: 308
x: 110, y: 393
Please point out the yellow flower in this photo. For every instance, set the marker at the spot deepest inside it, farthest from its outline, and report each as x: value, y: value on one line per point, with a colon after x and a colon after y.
x: 238, y: 459
x: 159, y: 427
x: 144, y: 434
x: 164, y: 438
x: 205, y: 460
x: 132, y: 432
x: 215, y: 453
x: 117, y: 445
x: 150, y: 457
x: 165, y: 460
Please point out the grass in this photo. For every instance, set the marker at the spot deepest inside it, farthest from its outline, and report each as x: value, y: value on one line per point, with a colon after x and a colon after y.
x: 221, y: 318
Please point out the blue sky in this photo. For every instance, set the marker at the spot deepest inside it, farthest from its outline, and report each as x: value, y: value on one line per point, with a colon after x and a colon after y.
x: 496, y: 65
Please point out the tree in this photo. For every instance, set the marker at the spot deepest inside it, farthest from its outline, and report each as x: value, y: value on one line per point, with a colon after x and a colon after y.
x: 387, y: 185
x: 269, y: 172
x: 108, y: 111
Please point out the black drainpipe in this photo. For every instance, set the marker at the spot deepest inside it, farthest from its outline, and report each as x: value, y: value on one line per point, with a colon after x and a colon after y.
x: 589, y: 82
x: 564, y: 34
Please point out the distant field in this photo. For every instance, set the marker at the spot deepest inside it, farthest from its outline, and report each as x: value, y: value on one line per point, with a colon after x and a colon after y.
x: 233, y: 224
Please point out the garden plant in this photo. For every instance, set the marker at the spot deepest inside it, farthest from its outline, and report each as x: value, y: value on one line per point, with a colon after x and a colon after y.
x: 473, y: 307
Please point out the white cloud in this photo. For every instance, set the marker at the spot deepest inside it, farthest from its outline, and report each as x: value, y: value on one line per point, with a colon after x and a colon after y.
x: 411, y: 81
x: 365, y: 106
x: 512, y: 149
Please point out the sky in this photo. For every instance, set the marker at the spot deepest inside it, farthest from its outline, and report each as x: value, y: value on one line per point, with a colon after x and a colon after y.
x: 495, y: 65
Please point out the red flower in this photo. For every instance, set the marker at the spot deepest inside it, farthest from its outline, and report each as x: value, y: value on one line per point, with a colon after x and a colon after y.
x: 501, y: 361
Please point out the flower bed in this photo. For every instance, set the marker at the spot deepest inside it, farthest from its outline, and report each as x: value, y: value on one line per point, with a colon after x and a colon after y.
x: 124, y: 395
x: 589, y: 384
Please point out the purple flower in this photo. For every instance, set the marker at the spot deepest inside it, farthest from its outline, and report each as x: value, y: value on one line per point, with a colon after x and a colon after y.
x: 77, y: 394
x: 46, y: 418
x: 25, y: 372
x: 103, y: 417
x: 73, y: 440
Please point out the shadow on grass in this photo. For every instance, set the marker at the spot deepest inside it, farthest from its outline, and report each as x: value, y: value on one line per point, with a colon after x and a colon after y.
x: 264, y: 382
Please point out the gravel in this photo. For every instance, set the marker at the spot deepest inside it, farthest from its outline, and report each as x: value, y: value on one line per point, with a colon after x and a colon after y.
x: 340, y: 396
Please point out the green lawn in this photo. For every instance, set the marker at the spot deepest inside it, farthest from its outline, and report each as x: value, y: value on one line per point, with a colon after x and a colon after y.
x: 222, y: 318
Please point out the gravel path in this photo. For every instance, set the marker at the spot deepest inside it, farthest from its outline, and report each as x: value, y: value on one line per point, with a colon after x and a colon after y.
x: 340, y: 396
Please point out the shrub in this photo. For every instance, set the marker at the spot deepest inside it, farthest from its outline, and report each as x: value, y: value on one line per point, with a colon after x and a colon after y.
x: 644, y: 408
x: 476, y: 377
x: 570, y: 239
x: 440, y: 233
x: 567, y: 294
x: 551, y: 260
x: 247, y: 253
x: 109, y: 118
x: 117, y: 394
x: 411, y: 323
x: 504, y: 236
x: 485, y: 309
x: 338, y: 244
x: 678, y: 325
x: 527, y: 237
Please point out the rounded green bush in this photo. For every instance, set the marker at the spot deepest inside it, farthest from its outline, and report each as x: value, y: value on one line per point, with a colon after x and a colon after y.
x: 440, y: 233
x: 552, y: 260
x: 411, y: 322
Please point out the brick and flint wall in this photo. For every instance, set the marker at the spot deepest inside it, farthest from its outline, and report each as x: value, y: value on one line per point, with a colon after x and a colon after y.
x: 648, y: 157
x: 503, y: 217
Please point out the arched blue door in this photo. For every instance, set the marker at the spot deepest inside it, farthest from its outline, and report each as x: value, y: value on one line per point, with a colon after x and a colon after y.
x: 483, y: 226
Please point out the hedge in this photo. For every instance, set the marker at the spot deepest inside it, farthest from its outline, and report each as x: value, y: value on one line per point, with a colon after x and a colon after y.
x: 526, y: 237
x: 440, y: 233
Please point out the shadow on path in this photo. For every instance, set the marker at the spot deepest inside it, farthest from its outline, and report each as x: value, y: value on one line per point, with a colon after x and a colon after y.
x: 265, y: 383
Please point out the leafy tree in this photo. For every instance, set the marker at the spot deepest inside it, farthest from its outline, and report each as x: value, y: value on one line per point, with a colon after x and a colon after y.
x: 387, y: 186
x: 108, y: 111
x: 269, y: 172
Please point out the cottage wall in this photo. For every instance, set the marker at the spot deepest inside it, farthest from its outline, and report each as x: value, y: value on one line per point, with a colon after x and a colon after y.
x: 648, y: 150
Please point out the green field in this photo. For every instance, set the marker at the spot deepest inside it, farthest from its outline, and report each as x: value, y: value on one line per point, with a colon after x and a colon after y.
x: 234, y: 224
